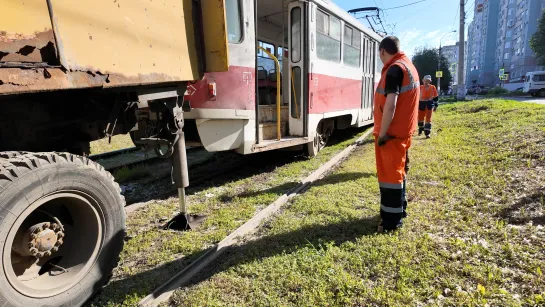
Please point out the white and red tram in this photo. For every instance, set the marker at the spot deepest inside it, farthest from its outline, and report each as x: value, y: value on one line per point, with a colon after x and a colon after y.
x: 329, y: 69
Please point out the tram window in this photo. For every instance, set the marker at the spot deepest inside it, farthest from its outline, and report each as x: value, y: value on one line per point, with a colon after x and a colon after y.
x: 268, y: 47
x: 328, y: 37
x: 280, y: 52
x: 379, y: 65
x: 296, y: 35
x: 263, y: 59
x: 234, y: 22
x: 352, y: 47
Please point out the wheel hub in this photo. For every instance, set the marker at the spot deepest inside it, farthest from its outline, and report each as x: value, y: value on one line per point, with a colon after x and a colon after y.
x: 40, y: 240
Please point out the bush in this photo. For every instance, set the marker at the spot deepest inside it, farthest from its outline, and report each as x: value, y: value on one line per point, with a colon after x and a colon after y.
x: 497, y: 91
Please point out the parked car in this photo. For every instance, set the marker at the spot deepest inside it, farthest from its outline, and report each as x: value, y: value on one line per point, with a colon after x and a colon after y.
x: 534, y: 83
x: 478, y: 89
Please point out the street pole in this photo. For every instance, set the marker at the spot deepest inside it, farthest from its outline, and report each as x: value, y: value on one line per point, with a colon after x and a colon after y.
x: 439, y: 68
x: 461, y: 52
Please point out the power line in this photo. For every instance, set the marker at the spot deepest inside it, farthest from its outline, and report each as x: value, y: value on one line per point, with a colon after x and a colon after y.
x: 397, y: 7
x: 414, y: 14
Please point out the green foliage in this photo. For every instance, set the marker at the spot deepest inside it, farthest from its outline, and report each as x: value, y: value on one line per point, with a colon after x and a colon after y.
x: 497, y: 91
x: 537, y: 42
x: 425, y: 60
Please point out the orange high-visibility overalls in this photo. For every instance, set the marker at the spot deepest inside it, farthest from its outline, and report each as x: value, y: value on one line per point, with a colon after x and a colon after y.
x: 391, y: 158
x: 425, y: 109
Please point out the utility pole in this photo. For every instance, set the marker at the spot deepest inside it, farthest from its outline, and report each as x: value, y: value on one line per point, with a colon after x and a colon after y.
x: 461, y: 52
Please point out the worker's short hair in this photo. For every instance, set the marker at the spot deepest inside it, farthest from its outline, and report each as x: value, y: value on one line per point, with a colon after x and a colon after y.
x: 390, y: 44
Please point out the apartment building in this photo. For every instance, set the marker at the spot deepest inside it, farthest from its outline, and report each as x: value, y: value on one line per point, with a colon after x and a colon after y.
x: 518, y: 21
x: 482, y: 43
x: 451, y: 52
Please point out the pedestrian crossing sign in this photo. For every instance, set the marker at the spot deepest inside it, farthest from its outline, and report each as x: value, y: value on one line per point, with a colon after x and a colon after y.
x: 439, y: 74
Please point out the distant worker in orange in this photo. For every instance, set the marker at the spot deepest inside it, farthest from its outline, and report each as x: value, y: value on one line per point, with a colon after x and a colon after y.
x: 428, y: 104
x: 396, y: 111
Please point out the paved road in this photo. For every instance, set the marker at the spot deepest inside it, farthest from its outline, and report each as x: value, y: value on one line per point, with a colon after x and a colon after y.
x: 539, y: 100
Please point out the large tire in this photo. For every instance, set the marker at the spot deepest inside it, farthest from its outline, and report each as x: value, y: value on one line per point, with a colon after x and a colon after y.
x: 84, y: 198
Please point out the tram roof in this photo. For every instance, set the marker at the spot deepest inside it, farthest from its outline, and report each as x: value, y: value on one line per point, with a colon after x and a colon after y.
x: 344, y: 15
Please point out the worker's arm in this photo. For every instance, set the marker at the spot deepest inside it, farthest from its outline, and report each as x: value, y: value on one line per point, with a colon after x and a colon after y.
x: 435, y: 100
x: 388, y: 114
x: 394, y: 81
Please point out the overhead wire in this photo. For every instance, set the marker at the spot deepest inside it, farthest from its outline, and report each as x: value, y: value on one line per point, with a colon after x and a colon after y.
x: 414, y: 14
x: 405, y: 5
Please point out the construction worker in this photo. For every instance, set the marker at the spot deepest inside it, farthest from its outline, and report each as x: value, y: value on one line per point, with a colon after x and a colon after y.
x: 427, y: 105
x: 396, y: 111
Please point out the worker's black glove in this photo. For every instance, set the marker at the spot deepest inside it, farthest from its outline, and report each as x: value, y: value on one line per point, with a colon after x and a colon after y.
x: 435, y: 105
x: 382, y: 140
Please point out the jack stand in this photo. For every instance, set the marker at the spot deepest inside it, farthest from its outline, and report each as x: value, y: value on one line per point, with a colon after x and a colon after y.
x: 180, y: 176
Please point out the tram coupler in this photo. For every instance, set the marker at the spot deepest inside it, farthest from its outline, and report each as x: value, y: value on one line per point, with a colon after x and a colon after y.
x: 183, y: 221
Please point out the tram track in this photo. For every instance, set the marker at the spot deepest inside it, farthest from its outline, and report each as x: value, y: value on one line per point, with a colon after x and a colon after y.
x: 166, y: 290
x: 129, y: 157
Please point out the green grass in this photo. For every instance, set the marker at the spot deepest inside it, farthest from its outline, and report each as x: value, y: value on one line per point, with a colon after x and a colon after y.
x: 118, y: 142
x: 152, y: 255
x: 126, y: 174
x: 474, y: 236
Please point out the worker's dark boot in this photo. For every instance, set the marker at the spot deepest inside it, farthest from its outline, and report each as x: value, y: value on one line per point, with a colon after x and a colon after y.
x: 427, y: 130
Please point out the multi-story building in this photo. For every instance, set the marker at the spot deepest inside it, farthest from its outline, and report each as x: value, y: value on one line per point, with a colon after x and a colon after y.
x: 482, y: 35
x: 451, y: 53
x: 518, y: 21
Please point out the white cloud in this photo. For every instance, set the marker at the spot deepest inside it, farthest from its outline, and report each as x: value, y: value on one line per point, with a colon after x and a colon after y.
x: 432, y: 35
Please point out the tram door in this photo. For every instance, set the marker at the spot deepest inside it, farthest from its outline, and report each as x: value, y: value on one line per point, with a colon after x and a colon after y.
x: 368, y: 78
x: 298, y: 53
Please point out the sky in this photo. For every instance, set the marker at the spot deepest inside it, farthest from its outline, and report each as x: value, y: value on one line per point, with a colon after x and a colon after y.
x: 418, y: 25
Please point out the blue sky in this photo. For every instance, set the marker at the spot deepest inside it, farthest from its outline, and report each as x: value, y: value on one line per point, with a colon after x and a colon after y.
x: 417, y: 25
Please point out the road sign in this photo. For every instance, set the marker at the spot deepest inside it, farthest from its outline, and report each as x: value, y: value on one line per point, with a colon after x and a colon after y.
x: 502, y: 72
x: 439, y: 74
x: 504, y: 77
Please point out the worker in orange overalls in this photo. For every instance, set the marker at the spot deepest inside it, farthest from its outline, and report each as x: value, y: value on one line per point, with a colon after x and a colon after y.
x: 396, y: 112
x: 427, y: 105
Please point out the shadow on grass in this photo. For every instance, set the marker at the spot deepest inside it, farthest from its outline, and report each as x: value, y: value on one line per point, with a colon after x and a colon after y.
x: 250, y: 165
x: 528, y: 209
x: 288, y: 186
x: 314, y: 236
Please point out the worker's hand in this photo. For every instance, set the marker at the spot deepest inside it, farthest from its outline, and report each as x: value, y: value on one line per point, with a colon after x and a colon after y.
x: 382, y: 140
x: 434, y: 109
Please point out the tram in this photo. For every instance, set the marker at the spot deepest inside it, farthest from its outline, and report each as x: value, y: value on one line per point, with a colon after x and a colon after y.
x: 297, y: 71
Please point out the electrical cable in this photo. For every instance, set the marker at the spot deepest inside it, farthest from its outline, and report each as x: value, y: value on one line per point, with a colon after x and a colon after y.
x: 397, y: 7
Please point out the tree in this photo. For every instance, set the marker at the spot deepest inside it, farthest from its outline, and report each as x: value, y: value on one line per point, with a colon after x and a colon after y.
x: 425, y: 61
x: 537, y: 42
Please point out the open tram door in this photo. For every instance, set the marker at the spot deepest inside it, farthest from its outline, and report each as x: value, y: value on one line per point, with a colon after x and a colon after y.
x: 281, y: 98
x: 298, y: 68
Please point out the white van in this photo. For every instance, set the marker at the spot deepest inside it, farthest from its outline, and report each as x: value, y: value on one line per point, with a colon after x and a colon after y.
x: 534, y: 83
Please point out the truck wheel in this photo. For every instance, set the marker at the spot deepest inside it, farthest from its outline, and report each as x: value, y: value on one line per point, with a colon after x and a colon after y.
x: 541, y: 93
x: 62, y: 225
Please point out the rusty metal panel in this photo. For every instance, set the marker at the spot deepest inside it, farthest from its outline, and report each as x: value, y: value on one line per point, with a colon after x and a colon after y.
x: 132, y: 41
x: 48, y: 45
x: 26, y: 34
x: 215, y: 35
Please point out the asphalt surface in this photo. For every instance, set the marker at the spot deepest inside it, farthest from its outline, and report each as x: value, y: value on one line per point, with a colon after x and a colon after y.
x: 540, y: 100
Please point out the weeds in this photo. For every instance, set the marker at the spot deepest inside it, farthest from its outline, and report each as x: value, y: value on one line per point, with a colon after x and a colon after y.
x: 456, y: 248
x: 126, y: 174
